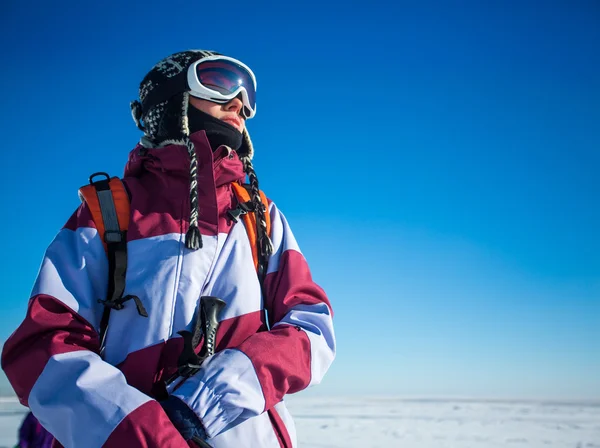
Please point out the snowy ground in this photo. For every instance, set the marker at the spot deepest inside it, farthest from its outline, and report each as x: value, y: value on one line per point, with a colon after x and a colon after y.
x: 11, y: 414
x: 325, y: 422
x: 377, y: 422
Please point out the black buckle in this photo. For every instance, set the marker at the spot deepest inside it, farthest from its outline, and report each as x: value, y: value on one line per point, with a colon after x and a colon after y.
x: 114, y: 236
x: 241, y: 209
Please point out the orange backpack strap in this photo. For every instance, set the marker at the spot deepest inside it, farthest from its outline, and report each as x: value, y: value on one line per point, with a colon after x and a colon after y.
x: 244, y: 210
x: 109, y: 205
x: 108, y: 202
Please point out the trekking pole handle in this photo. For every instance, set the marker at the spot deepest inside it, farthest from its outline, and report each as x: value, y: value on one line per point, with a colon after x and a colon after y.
x: 206, y: 324
x: 210, y: 307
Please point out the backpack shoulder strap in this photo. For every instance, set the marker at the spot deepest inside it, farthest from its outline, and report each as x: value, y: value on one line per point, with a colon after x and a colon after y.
x: 249, y: 217
x: 108, y: 202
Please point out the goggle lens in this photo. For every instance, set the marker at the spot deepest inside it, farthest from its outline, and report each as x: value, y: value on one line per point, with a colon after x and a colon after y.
x: 226, y: 77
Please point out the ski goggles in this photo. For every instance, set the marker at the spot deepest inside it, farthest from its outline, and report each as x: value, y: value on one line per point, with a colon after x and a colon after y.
x: 220, y: 79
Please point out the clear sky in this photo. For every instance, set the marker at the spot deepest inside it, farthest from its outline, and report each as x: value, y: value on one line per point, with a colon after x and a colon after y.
x: 438, y: 162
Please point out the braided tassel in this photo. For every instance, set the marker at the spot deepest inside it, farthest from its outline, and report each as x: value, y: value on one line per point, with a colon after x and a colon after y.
x: 265, y: 244
x: 193, y: 238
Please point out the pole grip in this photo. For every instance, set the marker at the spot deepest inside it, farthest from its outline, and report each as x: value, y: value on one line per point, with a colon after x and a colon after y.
x: 210, y: 307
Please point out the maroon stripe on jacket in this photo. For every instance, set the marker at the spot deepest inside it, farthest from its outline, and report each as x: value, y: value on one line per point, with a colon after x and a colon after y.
x: 291, y: 285
x: 158, y: 181
x: 282, y: 359
x: 146, y: 369
x: 283, y: 436
x: 160, y: 205
x: 81, y: 218
x: 142, y: 368
x: 232, y: 332
x: 49, y: 328
x: 146, y: 427
x: 153, y: 214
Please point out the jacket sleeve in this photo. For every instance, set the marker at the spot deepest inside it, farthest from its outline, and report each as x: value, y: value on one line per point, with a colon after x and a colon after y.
x: 236, y: 384
x: 52, y: 359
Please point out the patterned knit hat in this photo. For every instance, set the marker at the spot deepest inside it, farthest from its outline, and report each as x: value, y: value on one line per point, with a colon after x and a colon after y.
x: 161, y: 113
x: 164, y: 101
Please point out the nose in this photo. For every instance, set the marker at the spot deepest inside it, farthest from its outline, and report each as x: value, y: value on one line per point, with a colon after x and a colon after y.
x: 235, y: 105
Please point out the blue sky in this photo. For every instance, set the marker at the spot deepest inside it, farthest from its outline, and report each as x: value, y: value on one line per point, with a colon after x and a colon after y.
x: 438, y: 162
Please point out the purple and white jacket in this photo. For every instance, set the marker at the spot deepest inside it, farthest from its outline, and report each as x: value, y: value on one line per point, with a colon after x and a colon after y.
x: 84, y: 400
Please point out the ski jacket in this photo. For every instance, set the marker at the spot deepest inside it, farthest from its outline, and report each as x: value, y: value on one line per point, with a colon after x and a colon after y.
x: 52, y: 360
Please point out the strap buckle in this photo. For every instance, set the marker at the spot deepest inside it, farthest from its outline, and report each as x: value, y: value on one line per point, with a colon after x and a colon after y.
x: 242, y: 208
x: 114, y: 236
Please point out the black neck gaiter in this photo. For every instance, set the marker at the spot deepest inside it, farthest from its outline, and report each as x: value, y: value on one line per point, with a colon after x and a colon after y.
x: 218, y: 132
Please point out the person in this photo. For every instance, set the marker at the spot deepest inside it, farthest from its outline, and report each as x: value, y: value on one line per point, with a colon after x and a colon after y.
x: 32, y: 434
x: 275, y: 334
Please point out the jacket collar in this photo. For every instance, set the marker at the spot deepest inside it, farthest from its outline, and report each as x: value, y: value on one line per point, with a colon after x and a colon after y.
x: 173, y: 160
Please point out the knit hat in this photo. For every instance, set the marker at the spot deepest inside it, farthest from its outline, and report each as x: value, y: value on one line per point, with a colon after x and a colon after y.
x: 162, y: 114
x: 164, y: 101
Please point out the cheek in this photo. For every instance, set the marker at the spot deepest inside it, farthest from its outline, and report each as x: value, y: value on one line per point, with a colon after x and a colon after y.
x: 214, y: 110
x: 207, y: 107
